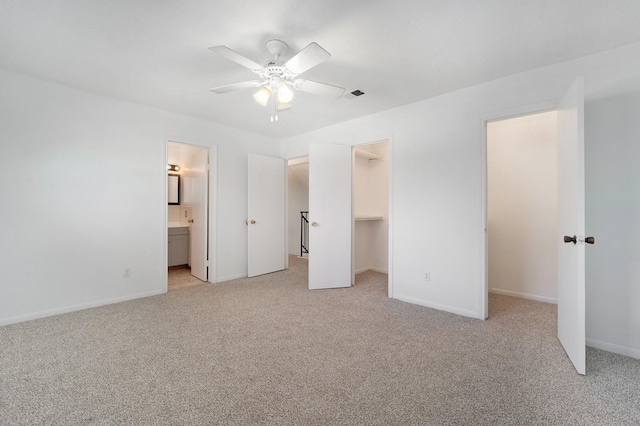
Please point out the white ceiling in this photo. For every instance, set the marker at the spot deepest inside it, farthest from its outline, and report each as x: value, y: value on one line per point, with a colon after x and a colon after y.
x: 154, y: 52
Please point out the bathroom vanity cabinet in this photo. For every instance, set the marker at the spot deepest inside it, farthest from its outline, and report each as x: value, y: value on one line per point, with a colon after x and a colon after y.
x: 178, y: 245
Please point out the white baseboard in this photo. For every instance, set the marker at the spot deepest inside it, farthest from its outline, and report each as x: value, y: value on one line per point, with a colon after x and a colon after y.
x: 371, y: 268
x: 231, y: 277
x: 80, y: 307
x: 524, y: 295
x: 612, y: 347
x: 451, y: 309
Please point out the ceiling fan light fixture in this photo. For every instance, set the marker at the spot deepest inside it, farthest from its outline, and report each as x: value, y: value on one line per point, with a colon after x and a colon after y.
x: 262, y: 96
x: 285, y: 95
x: 277, y: 80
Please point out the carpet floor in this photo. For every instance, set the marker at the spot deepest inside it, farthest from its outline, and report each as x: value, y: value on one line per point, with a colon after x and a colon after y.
x: 268, y: 351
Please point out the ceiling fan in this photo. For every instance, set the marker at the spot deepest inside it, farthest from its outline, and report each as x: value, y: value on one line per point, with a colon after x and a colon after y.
x: 276, y: 80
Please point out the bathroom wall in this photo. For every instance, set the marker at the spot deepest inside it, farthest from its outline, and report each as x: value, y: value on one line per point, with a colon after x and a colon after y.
x: 173, y: 157
x: 177, y: 153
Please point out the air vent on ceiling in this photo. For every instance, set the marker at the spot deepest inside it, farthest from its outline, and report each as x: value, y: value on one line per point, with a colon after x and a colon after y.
x: 357, y: 92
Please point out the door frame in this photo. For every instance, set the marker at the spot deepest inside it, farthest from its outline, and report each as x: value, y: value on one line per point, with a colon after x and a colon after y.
x: 212, y: 205
x: 483, y: 295
x: 369, y: 140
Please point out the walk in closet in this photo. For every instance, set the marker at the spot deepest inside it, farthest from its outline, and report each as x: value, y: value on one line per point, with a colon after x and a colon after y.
x: 371, y: 207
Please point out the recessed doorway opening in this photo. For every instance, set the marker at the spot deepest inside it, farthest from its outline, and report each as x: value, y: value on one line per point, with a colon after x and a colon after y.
x: 363, y: 212
x: 371, y: 208
x: 188, y: 230
x: 522, y: 192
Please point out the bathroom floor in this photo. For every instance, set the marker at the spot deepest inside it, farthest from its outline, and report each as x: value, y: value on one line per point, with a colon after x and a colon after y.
x: 181, y: 278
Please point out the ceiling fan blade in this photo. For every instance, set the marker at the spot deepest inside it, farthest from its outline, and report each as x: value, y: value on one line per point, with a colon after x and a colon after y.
x: 234, y: 56
x: 237, y: 86
x: 307, y: 58
x: 318, y: 88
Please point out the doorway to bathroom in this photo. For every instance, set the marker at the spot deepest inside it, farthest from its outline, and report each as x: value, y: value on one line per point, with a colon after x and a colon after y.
x: 188, y: 214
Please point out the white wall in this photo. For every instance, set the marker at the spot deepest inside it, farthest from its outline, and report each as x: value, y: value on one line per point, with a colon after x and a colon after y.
x: 298, y: 201
x: 379, y: 200
x: 83, y: 186
x: 362, y: 242
x: 438, y: 200
x: 522, y: 206
x: 181, y: 154
x: 83, y: 197
x: 176, y: 155
x: 173, y: 157
x: 612, y: 164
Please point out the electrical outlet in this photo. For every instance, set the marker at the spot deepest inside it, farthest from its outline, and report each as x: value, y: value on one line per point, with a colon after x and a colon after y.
x: 126, y: 273
x: 427, y: 276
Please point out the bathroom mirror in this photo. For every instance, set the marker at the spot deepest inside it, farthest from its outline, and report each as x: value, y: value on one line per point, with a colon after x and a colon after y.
x: 173, y: 187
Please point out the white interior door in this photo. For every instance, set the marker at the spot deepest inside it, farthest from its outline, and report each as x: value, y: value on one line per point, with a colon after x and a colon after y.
x: 266, y: 215
x: 571, y: 256
x: 329, y: 216
x: 196, y: 197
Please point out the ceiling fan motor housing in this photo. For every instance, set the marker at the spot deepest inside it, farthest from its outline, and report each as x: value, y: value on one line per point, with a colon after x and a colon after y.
x: 277, y: 47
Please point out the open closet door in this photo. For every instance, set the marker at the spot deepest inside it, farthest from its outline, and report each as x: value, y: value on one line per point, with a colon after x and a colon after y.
x: 196, y: 196
x: 266, y: 215
x: 329, y: 216
x: 571, y: 255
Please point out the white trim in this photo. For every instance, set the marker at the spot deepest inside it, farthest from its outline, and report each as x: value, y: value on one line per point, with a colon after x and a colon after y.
x: 165, y: 217
x: 371, y: 268
x: 391, y: 238
x: 353, y: 219
x: 446, y: 308
x: 286, y: 212
x: 80, y: 307
x: 231, y: 278
x: 366, y: 155
x: 612, y: 347
x: 524, y: 295
x: 483, y: 293
x: 213, y: 214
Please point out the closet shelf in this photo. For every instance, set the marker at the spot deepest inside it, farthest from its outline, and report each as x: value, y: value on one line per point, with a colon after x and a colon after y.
x: 367, y: 155
x: 358, y: 218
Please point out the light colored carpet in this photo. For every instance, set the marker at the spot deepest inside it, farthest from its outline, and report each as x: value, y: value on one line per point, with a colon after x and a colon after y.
x: 268, y: 351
